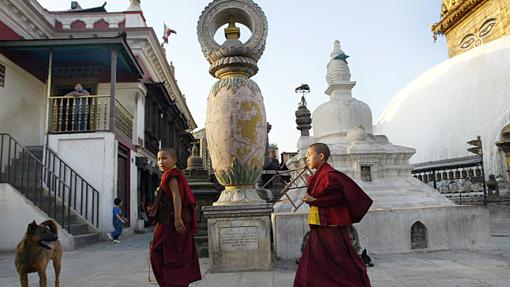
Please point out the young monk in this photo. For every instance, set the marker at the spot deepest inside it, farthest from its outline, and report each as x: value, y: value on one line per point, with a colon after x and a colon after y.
x: 336, y: 201
x: 173, y: 254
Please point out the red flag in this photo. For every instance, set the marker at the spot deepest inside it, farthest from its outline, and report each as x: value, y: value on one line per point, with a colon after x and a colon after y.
x: 166, y: 33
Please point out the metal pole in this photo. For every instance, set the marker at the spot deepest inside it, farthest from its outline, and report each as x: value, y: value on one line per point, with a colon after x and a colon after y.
x: 483, y: 181
x: 48, y: 95
x: 434, y: 178
x: 113, y: 84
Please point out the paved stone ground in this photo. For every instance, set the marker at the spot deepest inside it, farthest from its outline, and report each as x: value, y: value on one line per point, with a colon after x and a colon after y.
x: 126, y: 264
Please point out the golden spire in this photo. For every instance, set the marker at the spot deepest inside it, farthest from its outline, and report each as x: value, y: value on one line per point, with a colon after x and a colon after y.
x: 232, y: 32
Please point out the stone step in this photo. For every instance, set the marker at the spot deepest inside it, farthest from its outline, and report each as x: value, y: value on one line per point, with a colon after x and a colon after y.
x: 202, y: 245
x: 78, y: 228
x: 37, y: 151
x: 86, y: 239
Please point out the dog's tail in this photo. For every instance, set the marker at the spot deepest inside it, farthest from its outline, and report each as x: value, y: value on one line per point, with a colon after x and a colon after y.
x: 52, y: 225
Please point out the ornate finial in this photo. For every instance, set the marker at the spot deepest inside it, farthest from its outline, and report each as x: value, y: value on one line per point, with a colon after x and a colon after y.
x: 134, y: 5
x: 303, y: 119
x: 337, y: 53
x: 232, y: 32
x: 337, y: 49
x: 232, y: 58
x: 338, y: 69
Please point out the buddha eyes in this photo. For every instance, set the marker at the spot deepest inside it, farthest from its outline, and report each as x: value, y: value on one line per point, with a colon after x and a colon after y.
x: 467, y: 41
x: 485, y: 30
x: 487, y: 27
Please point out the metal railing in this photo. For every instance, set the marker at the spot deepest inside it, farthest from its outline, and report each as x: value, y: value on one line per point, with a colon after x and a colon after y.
x: 299, y: 179
x: 459, y: 179
x: 51, y: 192
x: 84, y: 199
x: 123, y: 121
x: 70, y: 114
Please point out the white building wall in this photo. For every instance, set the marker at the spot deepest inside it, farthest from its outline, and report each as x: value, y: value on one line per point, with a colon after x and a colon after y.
x: 133, y: 189
x: 94, y: 157
x: 17, y: 212
x: 140, y: 119
x: 455, y: 101
x: 22, y: 105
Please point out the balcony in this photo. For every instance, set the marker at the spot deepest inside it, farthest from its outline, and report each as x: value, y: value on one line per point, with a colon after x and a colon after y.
x: 69, y: 114
x: 62, y: 62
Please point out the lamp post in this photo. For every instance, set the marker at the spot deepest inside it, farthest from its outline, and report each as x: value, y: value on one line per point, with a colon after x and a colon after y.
x: 478, y: 150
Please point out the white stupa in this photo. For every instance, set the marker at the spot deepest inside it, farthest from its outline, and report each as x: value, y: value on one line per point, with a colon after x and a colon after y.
x: 405, y: 210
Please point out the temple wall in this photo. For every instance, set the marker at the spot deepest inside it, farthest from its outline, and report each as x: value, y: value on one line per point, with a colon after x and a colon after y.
x: 472, y: 24
x: 452, y: 103
x: 385, y: 231
x: 22, y: 105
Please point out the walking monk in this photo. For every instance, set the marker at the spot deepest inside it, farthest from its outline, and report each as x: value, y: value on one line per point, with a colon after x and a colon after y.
x: 336, y: 201
x: 174, y: 257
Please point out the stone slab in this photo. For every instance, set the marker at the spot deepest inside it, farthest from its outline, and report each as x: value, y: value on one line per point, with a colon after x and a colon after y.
x: 239, y: 237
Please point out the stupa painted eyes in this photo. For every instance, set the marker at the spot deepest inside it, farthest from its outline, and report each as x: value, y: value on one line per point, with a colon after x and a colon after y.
x: 485, y: 30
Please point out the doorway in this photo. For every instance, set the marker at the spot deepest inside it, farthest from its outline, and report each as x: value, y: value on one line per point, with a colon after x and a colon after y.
x: 123, y: 185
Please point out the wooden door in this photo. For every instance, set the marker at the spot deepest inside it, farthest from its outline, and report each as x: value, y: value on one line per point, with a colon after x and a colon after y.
x: 123, y: 185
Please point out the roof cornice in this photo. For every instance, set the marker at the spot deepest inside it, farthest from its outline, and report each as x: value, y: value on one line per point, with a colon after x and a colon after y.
x: 164, y: 66
x: 452, y: 17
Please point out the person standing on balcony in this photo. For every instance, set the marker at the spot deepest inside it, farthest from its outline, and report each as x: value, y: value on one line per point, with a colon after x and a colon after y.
x: 173, y: 254
x: 79, y: 105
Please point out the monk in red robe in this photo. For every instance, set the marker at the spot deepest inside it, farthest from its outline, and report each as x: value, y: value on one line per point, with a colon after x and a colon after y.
x: 336, y: 201
x: 173, y: 253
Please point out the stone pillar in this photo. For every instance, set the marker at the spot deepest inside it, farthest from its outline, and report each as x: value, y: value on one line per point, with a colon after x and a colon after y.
x: 238, y: 223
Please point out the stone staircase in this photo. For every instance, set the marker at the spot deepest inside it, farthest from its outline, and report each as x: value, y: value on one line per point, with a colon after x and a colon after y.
x: 201, y: 240
x: 25, y: 171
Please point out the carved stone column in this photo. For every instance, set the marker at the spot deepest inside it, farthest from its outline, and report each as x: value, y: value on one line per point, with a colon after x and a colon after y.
x: 236, y: 118
x: 238, y: 223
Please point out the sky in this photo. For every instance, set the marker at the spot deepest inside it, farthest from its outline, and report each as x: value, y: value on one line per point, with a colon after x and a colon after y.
x: 389, y: 43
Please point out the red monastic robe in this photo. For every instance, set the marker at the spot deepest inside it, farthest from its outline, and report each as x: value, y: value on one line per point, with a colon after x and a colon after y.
x: 174, y: 257
x: 329, y: 259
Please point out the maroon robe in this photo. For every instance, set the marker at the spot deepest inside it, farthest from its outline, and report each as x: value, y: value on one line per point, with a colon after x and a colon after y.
x: 329, y: 259
x: 174, y: 257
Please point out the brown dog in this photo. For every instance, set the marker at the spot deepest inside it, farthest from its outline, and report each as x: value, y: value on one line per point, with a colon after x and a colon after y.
x: 39, y: 245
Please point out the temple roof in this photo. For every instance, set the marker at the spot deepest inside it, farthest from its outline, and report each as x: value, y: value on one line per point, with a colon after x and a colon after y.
x: 76, y: 8
x: 33, y: 55
x: 452, y: 11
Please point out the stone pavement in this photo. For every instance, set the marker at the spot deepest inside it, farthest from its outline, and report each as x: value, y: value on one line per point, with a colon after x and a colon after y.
x: 126, y: 264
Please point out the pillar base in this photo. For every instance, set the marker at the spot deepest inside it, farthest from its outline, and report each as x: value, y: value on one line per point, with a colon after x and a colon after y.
x: 239, y: 237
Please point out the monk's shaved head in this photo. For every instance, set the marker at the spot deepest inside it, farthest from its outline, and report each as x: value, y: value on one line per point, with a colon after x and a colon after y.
x: 169, y: 151
x: 321, y: 148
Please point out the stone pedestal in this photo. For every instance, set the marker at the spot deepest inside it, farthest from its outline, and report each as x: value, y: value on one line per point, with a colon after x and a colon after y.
x: 239, y: 237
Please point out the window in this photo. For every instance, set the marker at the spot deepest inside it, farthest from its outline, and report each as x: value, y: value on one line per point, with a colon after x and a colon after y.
x: 366, y: 173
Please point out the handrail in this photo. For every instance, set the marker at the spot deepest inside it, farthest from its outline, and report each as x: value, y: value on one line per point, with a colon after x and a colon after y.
x: 52, y: 193
x: 52, y: 160
x: 77, y: 97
